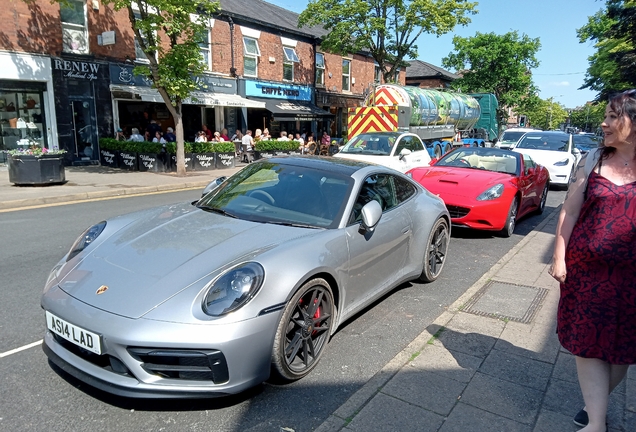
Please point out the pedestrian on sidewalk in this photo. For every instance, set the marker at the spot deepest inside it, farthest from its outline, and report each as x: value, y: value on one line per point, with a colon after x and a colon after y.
x: 595, y: 262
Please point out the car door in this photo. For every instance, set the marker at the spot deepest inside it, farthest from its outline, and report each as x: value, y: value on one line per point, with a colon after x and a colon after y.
x: 528, y: 185
x: 376, y: 258
x: 419, y: 155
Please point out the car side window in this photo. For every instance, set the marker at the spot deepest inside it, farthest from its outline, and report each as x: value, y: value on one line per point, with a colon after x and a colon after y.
x: 378, y: 187
x: 403, y: 189
x: 405, y: 142
x: 417, y: 145
x: 528, y: 163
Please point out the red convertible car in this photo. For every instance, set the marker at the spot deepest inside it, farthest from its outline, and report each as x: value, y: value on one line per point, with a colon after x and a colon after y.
x: 486, y: 188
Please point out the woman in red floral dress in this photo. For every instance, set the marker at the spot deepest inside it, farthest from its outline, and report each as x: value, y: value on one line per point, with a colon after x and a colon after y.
x: 595, y: 262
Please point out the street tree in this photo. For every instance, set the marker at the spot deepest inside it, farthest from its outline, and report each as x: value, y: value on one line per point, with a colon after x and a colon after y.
x: 387, y: 29
x: 498, y: 64
x: 169, y: 32
x: 606, y: 72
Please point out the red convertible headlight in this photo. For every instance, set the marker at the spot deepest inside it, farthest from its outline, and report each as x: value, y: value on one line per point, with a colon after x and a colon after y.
x: 494, y: 192
x: 233, y: 289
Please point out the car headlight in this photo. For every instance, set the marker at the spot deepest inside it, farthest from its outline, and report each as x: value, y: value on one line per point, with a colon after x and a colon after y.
x: 86, y: 239
x: 492, y: 193
x: 233, y: 289
x: 563, y: 162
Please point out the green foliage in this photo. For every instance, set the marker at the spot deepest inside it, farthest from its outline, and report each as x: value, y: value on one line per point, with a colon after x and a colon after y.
x: 112, y: 144
x: 275, y: 145
x: 613, y: 31
x: 498, y: 64
x: 387, y: 29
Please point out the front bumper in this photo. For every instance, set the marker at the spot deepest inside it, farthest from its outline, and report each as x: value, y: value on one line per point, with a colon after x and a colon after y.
x: 484, y: 215
x: 239, y: 353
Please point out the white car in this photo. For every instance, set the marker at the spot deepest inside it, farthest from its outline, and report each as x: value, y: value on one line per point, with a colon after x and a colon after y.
x: 401, y: 151
x: 554, y: 150
x: 509, y: 137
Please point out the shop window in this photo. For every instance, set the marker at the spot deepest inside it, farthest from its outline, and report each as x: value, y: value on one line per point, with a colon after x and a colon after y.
x: 396, y: 76
x: 346, y: 75
x: 250, y: 56
x: 320, y: 69
x: 140, y: 55
x: 288, y: 63
x: 22, y: 122
x: 205, y: 48
x: 74, y: 29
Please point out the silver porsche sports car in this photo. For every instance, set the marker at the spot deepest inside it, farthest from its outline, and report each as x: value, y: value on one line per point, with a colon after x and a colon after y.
x: 210, y: 298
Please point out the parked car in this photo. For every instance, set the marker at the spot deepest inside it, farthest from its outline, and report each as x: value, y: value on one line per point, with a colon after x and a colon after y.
x: 486, y: 188
x: 398, y: 150
x: 586, y: 142
x: 554, y: 150
x: 509, y: 137
x: 206, y: 298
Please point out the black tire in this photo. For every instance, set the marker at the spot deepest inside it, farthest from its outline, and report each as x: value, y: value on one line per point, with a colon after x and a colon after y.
x: 303, y: 331
x: 544, y: 197
x: 511, y: 220
x: 438, y: 151
x: 436, y: 248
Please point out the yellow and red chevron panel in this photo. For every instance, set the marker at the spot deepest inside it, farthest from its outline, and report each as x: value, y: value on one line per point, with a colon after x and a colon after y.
x: 390, y: 95
x: 372, y: 119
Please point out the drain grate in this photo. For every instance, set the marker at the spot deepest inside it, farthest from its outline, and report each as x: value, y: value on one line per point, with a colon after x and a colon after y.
x: 506, y: 301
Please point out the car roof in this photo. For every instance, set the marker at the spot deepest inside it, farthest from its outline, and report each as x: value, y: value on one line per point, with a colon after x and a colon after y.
x: 520, y: 130
x: 547, y: 133
x: 325, y: 163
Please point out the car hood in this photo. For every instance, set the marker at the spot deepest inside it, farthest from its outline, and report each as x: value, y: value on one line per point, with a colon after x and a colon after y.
x: 161, y: 252
x: 458, y: 182
x: 389, y: 161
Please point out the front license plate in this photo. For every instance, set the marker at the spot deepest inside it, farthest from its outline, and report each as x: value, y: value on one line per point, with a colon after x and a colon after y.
x: 82, y: 338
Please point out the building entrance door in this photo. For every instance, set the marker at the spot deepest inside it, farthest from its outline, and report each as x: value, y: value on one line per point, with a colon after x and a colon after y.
x: 84, y: 130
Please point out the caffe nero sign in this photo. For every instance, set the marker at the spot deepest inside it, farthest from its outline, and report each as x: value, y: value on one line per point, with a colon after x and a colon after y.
x: 76, y: 69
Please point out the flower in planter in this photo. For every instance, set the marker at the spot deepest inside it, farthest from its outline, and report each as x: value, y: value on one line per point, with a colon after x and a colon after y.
x: 36, y: 151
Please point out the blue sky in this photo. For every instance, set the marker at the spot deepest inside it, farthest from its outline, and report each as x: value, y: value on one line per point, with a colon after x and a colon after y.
x: 563, y: 59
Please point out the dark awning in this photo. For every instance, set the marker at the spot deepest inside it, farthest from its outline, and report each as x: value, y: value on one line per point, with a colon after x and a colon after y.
x: 286, y: 110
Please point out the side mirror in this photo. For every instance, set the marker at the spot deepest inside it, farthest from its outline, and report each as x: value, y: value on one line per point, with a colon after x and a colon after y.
x: 213, y: 185
x: 576, y: 152
x: 530, y: 171
x: 495, y: 141
x: 371, y: 214
x: 405, y: 152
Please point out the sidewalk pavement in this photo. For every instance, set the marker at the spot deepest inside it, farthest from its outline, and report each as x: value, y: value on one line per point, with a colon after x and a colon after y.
x: 94, y: 182
x: 491, y: 363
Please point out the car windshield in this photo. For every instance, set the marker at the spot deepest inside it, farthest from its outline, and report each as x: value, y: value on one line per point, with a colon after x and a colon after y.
x: 511, y: 136
x: 489, y: 159
x: 554, y: 142
x: 371, y: 144
x: 282, y: 194
x: 586, y: 142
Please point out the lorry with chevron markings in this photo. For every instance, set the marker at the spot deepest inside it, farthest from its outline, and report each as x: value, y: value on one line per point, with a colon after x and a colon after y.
x: 441, y: 119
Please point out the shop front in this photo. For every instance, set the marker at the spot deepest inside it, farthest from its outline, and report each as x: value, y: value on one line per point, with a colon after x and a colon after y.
x: 338, y: 105
x: 288, y: 108
x: 82, y: 106
x: 216, y: 104
x: 27, y: 115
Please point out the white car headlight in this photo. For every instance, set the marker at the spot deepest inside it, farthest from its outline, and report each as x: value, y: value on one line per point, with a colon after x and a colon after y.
x: 233, y: 289
x: 86, y: 239
x: 563, y: 162
x: 492, y: 193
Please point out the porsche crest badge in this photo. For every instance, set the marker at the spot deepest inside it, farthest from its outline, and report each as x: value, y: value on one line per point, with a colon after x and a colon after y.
x: 101, y: 290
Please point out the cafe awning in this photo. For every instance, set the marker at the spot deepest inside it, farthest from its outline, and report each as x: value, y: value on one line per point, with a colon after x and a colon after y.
x: 286, y: 110
x: 148, y: 94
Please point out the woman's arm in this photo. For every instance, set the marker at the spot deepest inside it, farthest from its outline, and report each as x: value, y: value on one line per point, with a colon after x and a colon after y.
x: 567, y: 218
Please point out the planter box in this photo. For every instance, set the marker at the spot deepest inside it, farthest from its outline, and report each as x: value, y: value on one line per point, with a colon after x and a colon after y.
x: 204, y: 161
x: 225, y: 160
x: 109, y: 158
x: 152, y: 162
x: 189, y: 162
x: 128, y: 161
x: 31, y: 170
x: 264, y: 154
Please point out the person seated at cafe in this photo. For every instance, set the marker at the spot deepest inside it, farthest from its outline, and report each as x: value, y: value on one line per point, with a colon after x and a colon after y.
x: 258, y: 135
x: 201, y: 137
x: 152, y: 129
x: 119, y: 135
x: 266, y: 135
x: 208, y: 133
x: 169, y: 135
x: 217, y: 137
x: 136, y: 136
x: 299, y: 139
x: 224, y: 135
x: 158, y: 138
x: 283, y: 136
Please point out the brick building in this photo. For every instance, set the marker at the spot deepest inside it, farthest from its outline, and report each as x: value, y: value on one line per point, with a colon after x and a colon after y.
x: 425, y: 75
x: 68, y: 75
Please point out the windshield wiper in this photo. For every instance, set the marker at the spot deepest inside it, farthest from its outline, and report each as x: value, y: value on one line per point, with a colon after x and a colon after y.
x: 291, y: 224
x: 218, y: 210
